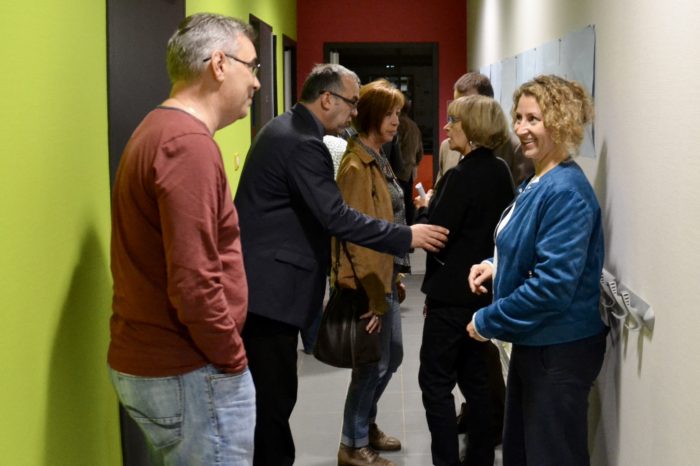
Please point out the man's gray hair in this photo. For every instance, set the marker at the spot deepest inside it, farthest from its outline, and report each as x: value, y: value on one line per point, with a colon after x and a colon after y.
x: 199, y: 35
x: 325, y: 77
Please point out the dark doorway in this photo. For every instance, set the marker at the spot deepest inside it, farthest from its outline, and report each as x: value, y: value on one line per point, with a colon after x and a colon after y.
x: 263, y: 108
x: 412, y: 67
x: 289, y: 46
x: 137, y: 81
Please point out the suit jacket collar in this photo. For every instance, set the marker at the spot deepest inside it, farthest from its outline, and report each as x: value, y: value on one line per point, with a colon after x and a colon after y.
x: 304, y: 113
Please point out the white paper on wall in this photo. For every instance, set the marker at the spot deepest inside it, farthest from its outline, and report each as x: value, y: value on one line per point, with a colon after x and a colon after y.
x: 525, y: 66
x: 577, y: 54
x: 571, y: 57
x: 486, y: 71
x: 547, y: 58
x: 508, y: 84
x: 496, y: 70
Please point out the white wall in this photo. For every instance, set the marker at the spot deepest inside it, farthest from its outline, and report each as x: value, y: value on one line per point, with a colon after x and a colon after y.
x: 646, y: 405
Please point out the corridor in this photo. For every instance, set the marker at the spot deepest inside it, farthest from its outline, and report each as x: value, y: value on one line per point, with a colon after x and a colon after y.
x: 317, y: 417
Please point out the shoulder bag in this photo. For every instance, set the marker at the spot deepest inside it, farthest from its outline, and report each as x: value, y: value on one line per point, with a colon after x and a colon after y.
x: 342, y: 339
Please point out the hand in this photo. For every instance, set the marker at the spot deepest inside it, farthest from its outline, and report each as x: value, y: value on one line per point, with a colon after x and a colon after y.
x: 420, y: 202
x: 400, y: 292
x: 472, y: 333
x: 432, y: 238
x: 375, y: 322
x: 478, y: 275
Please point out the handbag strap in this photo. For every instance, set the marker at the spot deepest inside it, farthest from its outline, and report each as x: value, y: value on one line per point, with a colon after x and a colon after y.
x: 336, y: 265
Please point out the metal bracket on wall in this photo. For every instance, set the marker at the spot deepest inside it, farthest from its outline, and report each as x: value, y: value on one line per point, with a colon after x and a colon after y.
x: 619, y: 302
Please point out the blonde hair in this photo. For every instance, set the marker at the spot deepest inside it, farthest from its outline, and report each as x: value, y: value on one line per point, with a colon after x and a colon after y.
x: 566, y: 107
x: 482, y: 120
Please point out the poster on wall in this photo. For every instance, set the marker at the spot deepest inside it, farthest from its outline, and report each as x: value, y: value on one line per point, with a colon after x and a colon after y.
x: 525, y: 66
x: 547, y: 60
x: 571, y: 56
x: 496, y: 82
x: 508, y: 83
x: 577, y: 59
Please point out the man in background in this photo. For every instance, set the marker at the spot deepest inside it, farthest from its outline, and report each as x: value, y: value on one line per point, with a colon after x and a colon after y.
x: 409, y: 156
x: 289, y: 207
x: 176, y: 356
x: 474, y: 83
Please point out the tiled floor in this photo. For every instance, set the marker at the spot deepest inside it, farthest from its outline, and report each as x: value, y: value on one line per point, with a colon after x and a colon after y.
x: 317, y: 418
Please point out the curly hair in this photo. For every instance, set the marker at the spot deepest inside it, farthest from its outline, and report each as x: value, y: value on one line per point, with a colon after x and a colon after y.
x: 566, y: 107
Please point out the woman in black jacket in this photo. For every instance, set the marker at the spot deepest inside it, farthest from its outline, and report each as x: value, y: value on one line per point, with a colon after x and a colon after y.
x: 468, y: 201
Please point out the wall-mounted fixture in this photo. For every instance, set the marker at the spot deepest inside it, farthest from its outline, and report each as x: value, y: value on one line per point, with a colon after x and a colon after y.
x: 619, y: 302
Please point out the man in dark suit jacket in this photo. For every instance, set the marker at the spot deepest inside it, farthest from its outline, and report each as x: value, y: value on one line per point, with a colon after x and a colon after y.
x: 289, y: 206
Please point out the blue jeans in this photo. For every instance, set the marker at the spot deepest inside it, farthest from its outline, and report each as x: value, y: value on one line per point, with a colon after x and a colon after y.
x: 203, y: 417
x: 368, y: 382
x: 310, y: 333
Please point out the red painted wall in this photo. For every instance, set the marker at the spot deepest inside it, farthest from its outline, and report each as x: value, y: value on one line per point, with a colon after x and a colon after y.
x: 441, y: 21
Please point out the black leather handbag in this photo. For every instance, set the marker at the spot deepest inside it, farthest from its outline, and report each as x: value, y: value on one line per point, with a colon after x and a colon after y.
x: 342, y: 340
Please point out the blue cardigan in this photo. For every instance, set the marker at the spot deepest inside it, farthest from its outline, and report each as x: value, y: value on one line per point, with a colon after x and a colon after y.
x: 550, y: 257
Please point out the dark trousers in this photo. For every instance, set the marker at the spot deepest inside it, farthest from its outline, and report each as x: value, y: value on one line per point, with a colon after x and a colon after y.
x: 546, y: 421
x: 272, y: 358
x: 497, y: 387
x: 448, y: 356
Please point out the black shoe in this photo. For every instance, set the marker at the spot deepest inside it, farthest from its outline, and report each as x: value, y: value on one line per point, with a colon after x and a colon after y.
x: 462, y: 420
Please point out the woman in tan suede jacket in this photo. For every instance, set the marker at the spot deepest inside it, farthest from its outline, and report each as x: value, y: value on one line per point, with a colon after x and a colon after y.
x: 368, y: 184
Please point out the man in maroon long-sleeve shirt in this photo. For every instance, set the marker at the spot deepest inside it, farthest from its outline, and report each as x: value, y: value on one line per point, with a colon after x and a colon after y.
x: 180, y: 294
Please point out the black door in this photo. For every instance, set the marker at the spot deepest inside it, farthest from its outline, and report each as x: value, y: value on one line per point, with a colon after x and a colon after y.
x: 137, y: 81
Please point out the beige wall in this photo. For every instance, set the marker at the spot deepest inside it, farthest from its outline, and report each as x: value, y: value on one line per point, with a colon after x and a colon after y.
x: 646, y: 405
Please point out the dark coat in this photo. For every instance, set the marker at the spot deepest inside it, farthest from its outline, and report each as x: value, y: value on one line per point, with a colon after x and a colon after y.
x: 468, y: 200
x: 289, y: 205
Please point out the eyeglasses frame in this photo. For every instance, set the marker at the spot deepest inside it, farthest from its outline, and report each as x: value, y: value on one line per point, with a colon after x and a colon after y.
x: 351, y: 102
x: 253, y: 65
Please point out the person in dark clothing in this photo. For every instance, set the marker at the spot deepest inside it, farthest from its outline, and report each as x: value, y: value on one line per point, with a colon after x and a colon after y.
x: 406, y: 154
x: 289, y: 206
x: 468, y: 201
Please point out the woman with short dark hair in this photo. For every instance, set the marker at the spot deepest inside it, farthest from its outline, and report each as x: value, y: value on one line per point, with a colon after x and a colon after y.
x: 368, y: 184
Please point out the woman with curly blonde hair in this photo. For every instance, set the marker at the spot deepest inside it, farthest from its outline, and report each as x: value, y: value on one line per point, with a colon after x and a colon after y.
x: 545, y: 273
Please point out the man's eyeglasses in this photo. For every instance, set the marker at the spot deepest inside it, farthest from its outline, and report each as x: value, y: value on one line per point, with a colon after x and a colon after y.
x: 351, y: 102
x: 252, y: 65
x: 452, y: 120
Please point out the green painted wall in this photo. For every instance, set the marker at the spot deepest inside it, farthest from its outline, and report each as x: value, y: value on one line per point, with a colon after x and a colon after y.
x: 56, y: 404
x: 281, y: 15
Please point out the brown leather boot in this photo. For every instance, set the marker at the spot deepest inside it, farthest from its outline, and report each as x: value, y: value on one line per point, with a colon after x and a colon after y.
x: 363, y: 456
x: 382, y: 442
